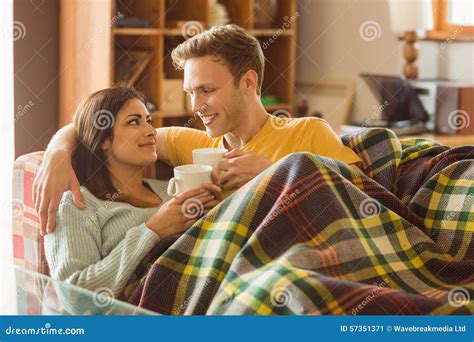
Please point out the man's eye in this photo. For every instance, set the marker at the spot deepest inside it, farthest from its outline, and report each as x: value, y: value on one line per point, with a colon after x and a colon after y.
x: 207, y: 91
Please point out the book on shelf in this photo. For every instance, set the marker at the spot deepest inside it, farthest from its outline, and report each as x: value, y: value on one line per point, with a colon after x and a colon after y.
x: 130, y: 66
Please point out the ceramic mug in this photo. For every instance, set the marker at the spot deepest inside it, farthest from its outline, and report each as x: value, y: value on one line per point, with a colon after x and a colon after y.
x: 209, y: 156
x: 188, y: 177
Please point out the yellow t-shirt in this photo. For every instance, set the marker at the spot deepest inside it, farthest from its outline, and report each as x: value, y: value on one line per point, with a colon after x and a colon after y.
x: 278, y: 138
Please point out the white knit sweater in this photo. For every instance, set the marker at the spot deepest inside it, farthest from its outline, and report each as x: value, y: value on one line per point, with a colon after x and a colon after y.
x: 100, y: 246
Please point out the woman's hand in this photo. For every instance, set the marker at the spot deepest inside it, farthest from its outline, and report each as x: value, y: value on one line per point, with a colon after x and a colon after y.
x: 181, y: 212
x: 214, y: 187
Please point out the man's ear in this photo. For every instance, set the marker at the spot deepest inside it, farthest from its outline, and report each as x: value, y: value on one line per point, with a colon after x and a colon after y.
x: 106, y: 144
x: 249, y: 81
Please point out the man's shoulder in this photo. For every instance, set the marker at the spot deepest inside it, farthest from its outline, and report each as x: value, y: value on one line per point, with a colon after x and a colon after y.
x: 176, y: 132
x: 310, y: 121
x: 182, y: 129
x: 298, y: 123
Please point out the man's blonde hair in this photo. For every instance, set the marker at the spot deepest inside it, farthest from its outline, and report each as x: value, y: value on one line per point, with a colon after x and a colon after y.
x: 236, y: 47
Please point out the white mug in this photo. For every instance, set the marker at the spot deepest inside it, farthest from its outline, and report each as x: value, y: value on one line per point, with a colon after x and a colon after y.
x: 188, y: 177
x: 209, y: 156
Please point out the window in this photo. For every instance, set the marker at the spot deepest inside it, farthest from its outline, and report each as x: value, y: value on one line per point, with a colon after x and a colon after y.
x: 460, y: 12
x: 453, y: 19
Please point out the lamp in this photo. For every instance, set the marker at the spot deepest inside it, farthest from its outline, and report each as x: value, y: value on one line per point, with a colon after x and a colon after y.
x: 407, y: 17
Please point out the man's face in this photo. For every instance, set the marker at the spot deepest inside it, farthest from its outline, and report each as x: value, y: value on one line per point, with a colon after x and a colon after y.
x: 214, y: 96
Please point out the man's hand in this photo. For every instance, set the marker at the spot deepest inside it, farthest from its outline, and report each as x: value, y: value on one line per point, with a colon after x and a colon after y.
x: 238, y: 167
x: 55, y: 176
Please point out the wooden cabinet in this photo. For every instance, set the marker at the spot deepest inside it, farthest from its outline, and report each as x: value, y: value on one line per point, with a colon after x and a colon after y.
x: 85, y: 52
x: 93, y: 48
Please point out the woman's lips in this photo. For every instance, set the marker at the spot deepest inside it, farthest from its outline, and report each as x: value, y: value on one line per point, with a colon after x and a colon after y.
x: 149, y: 145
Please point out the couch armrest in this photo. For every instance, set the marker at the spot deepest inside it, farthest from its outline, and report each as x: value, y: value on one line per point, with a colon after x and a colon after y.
x: 28, y: 249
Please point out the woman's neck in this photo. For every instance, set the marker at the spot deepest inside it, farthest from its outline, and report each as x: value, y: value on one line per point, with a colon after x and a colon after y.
x: 128, y: 180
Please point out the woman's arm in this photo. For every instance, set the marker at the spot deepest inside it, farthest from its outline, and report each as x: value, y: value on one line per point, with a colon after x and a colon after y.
x: 74, y: 250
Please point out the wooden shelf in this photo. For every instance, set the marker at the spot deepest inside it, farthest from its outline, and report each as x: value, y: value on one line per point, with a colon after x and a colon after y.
x: 273, y: 107
x: 140, y: 58
x: 167, y: 114
x: 160, y: 39
x: 132, y: 31
x: 173, y: 32
x: 271, y: 32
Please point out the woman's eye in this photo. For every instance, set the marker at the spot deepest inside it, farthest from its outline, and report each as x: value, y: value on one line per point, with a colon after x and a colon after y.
x: 134, y: 122
x: 207, y: 91
x: 149, y: 121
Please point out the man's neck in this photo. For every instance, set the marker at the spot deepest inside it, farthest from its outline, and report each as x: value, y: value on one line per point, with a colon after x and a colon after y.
x: 247, y: 129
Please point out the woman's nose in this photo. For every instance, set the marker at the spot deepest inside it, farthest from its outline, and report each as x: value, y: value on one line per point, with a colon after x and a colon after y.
x: 150, y: 131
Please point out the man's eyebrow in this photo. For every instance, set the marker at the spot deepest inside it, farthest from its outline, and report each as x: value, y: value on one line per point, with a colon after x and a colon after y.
x: 200, y: 86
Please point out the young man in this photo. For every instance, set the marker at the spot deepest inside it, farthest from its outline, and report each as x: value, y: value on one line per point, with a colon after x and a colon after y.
x: 223, y: 74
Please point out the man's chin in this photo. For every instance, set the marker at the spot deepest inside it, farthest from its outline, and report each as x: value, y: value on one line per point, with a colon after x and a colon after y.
x: 213, y: 133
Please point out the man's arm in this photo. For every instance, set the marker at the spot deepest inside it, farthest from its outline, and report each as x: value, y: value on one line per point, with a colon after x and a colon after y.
x: 239, y: 167
x: 55, y: 176
x: 161, y: 137
x: 64, y: 139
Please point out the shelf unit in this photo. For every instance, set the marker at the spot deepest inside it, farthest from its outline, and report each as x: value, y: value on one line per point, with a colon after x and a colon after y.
x: 94, y: 69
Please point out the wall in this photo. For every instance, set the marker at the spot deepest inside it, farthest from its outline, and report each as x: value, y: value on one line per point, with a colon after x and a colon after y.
x: 36, y: 60
x: 331, y: 47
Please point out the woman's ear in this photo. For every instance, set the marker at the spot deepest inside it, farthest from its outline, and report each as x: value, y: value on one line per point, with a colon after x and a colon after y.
x: 106, y: 144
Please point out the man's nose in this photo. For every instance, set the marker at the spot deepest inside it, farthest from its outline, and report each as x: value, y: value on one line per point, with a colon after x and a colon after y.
x: 198, y: 105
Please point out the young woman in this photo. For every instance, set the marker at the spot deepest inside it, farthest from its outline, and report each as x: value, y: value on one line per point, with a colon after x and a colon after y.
x: 125, y: 215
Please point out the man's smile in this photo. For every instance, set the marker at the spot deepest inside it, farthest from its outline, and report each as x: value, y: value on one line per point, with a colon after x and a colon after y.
x: 208, y: 119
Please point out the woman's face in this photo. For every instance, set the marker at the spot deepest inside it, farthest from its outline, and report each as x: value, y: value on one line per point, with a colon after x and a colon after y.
x: 133, y: 141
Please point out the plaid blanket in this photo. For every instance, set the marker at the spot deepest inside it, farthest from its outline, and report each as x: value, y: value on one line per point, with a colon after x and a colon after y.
x: 311, y: 235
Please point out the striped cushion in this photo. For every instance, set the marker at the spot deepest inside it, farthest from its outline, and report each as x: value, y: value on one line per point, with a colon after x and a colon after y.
x: 28, y: 250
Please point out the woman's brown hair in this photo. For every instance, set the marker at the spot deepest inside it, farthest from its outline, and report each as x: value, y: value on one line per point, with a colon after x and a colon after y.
x: 94, y: 120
